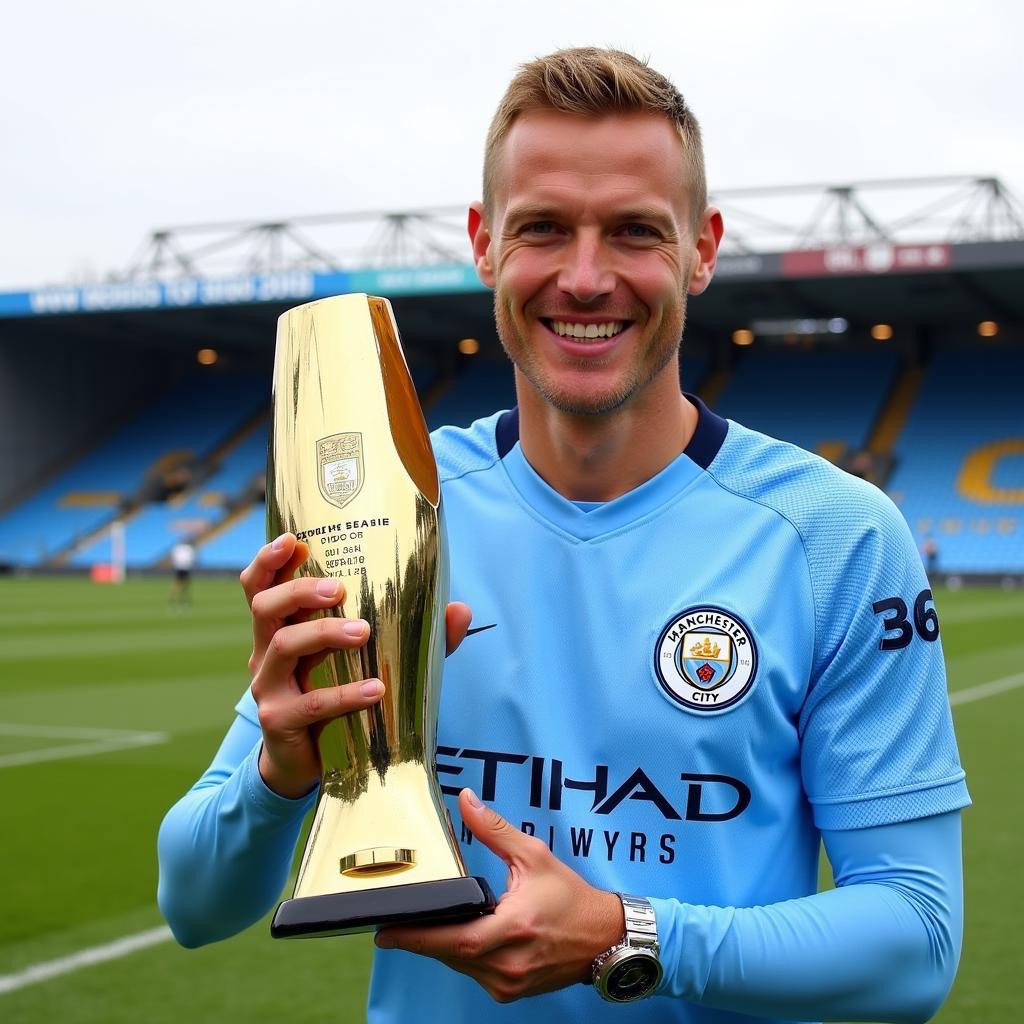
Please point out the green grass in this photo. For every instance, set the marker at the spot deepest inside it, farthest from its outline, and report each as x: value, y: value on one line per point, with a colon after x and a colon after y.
x: 77, y: 855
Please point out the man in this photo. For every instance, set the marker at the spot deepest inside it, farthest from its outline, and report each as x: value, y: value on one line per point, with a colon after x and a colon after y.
x: 183, y: 559
x: 710, y: 649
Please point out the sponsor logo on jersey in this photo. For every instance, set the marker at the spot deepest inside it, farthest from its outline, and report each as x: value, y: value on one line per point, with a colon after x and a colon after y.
x: 706, y: 659
x: 590, y: 816
x: 340, y: 472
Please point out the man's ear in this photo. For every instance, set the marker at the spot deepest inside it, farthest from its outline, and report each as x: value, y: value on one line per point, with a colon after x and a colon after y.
x: 480, y: 238
x: 706, y: 243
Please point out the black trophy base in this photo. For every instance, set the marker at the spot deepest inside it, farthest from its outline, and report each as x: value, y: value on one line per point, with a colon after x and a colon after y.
x: 346, y: 913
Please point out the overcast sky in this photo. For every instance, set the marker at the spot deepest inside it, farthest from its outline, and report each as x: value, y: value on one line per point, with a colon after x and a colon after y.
x: 120, y: 117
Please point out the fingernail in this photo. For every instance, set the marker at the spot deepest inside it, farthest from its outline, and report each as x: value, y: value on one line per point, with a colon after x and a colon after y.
x: 356, y: 629
x: 474, y: 800
x: 372, y: 688
x: 327, y: 588
x: 278, y: 543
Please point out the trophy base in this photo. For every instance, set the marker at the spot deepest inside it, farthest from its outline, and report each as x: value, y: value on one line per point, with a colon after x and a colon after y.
x: 345, y: 913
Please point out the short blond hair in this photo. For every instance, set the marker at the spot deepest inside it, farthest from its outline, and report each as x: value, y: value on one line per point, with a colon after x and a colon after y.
x: 595, y: 82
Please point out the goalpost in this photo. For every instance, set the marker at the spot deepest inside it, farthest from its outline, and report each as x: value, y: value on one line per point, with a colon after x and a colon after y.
x: 118, y: 553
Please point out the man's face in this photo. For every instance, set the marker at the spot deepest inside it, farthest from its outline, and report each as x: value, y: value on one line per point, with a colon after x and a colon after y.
x: 590, y: 253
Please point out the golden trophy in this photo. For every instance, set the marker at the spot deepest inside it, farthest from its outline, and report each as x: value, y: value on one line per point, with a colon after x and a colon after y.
x: 352, y: 474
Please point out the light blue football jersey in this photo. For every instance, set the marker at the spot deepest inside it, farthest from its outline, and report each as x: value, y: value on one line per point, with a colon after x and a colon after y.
x: 679, y: 689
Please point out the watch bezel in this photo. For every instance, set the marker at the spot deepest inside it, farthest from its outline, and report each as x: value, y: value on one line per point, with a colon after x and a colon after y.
x: 627, y: 956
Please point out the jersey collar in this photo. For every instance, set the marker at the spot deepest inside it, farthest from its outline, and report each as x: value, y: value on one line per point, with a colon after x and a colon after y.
x: 628, y: 508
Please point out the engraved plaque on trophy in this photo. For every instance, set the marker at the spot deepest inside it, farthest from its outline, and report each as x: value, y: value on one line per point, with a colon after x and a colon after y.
x: 352, y: 474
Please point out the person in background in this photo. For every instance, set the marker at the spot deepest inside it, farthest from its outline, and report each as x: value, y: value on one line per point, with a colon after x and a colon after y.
x: 183, y: 560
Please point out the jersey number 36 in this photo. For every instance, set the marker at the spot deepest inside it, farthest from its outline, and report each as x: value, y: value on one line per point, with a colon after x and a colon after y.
x: 926, y: 621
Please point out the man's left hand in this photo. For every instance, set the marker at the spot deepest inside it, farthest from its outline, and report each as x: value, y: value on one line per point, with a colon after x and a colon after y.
x: 546, y: 930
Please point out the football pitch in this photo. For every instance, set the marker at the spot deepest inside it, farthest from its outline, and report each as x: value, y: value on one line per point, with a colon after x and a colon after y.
x: 111, y: 704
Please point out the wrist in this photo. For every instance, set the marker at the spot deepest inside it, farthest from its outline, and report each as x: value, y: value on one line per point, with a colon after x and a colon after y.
x: 605, y: 928
x: 613, y: 923
x: 279, y: 783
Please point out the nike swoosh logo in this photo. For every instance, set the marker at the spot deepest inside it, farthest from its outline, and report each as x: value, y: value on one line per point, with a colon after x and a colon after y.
x: 480, y: 629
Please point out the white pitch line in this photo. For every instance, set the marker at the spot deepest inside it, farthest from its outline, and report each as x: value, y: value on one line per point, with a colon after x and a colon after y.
x: 97, y: 741
x: 983, y: 690
x: 64, y: 732
x: 81, y: 750
x: 83, y: 958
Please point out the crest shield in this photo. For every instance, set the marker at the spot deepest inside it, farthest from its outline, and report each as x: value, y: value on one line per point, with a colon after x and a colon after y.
x: 706, y: 659
x: 340, y: 467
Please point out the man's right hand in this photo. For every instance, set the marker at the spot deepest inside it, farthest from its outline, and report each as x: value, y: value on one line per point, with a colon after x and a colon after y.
x: 287, y: 644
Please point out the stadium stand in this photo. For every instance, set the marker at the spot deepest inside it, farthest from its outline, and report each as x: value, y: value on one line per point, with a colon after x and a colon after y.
x: 485, y: 386
x: 235, y: 546
x: 824, y: 401
x: 192, y: 465
x: 959, y: 478
x: 159, y: 451
x: 151, y: 533
x: 888, y: 340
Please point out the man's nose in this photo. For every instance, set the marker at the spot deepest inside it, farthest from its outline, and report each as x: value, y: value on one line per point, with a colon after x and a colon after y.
x: 587, y: 273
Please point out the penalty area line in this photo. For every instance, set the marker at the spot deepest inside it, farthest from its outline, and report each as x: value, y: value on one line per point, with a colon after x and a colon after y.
x: 83, y: 958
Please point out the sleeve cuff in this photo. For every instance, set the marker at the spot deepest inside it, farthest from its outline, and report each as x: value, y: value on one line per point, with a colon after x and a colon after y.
x: 272, y: 804
x: 893, y: 807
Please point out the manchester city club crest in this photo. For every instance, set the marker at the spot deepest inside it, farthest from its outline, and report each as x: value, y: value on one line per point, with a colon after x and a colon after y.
x: 340, y: 467
x: 706, y: 659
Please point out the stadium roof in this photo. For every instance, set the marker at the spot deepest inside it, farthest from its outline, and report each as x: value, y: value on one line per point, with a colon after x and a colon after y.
x: 931, y: 253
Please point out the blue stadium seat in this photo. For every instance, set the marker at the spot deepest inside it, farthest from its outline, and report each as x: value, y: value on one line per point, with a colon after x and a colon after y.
x: 235, y: 546
x: 810, y: 398
x: 152, y: 532
x: 484, y: 387
x: 193, y: 417
x: 972, y: 508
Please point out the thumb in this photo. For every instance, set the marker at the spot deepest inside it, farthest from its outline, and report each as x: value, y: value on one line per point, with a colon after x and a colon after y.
x: 498, y: 835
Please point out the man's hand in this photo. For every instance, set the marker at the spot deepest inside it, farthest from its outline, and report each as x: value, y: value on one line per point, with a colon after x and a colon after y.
x: 287, y: 644
x: 546, y: 931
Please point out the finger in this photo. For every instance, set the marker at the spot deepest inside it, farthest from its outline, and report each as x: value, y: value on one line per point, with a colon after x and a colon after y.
x: 270, y: 559
x: 291, y: 601
x: 457, y: 618
x: 300, y: 711
x: 452, y: 942
x: 515, y: 848
x: 299, y: 554
x: 296, y: 596
x: 291, y: 643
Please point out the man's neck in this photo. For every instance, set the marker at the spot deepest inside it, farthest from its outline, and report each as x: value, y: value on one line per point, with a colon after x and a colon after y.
x: 598, y: 458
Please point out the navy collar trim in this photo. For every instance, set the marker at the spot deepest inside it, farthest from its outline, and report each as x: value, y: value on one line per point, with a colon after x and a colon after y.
x: 506, y: 431
x: 705, y: 444
x: 709, y: 436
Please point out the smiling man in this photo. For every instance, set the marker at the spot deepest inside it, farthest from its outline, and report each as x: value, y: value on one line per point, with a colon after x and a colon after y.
x: 710, y: 650
x: 592, y: 235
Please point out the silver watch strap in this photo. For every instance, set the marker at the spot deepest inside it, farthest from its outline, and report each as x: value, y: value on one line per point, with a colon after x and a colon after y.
x: 641, y: 922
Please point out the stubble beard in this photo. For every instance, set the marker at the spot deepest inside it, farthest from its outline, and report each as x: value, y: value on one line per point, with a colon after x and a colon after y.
x: 577, y: 402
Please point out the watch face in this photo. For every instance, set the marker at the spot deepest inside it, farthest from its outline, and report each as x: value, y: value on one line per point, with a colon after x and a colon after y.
x: 633, y: 978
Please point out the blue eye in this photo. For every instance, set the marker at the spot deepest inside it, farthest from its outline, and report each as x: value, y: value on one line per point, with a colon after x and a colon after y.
x: 639, y: 231
x: 541, y: 227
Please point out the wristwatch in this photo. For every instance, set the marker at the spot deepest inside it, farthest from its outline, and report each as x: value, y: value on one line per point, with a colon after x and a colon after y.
x: 631, y: 969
